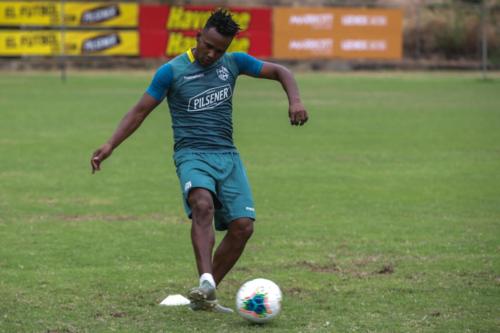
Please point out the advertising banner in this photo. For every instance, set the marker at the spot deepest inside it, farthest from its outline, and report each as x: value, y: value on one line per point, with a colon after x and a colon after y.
x: 303, y: 33
x: 169, y: 31
x: 15, y: 13
x: 76, y: 43
x: 76, y: 14
x: 308, y: 33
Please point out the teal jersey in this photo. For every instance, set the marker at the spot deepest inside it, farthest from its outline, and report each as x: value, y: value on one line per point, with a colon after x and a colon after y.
x: 200, y: 98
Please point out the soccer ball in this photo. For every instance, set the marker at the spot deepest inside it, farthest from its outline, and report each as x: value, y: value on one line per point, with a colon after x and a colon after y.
x: 259, y: 300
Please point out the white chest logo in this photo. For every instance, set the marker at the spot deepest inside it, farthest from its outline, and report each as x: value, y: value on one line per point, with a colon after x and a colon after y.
x: 223, y: 73
x: 210, y: 98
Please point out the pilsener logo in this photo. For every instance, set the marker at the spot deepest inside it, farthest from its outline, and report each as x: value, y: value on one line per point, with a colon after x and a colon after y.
x: 100, y: 43
x: 100, y: 14
x: 210, y: 98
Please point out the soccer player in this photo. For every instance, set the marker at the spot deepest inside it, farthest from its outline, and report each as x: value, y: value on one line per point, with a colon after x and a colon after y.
x: 198, y: 86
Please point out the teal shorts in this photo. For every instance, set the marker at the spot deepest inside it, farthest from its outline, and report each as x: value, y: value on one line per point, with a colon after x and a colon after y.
x: 223, y: 174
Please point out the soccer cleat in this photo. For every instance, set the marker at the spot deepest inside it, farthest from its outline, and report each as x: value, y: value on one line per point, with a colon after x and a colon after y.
x: 203, y: 298
x: 221, y: 309
x: 205, y: 292
x: 210, y: 306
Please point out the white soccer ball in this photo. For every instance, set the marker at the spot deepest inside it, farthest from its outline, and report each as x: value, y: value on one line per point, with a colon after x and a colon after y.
x: 259, y: 300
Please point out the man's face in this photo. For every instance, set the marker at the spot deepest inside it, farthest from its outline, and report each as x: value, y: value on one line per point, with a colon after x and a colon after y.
x: 210, y: 46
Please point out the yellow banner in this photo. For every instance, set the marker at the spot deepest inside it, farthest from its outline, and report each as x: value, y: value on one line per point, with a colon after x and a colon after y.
x: 76, y: 43
x: 178, y: 43
x: 101, y: 14
x: 13, y: 13
x: 95, y: 14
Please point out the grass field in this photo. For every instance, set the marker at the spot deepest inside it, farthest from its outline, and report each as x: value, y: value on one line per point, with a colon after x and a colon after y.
x: 382, y: 214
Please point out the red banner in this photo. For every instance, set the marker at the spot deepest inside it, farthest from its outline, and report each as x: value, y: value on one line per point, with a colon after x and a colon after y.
x: 168, y: 31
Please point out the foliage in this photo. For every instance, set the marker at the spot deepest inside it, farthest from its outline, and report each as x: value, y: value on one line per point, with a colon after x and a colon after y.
x: 450, y: 31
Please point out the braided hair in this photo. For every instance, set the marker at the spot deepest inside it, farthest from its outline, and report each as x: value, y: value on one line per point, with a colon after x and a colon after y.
x: 223, y: 22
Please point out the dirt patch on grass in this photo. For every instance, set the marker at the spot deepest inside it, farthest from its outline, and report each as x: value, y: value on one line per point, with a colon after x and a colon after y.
x: 121, y: 218
x: 294, y: 291
x: 52, y: 201
x: 435, y: 314
x: 325, y: 268
x: 361, y: 267
x: 365, y: 261
x: 118, y: 314
x: 105, y: 218
x: 386, y: 269
x: 364, y: 266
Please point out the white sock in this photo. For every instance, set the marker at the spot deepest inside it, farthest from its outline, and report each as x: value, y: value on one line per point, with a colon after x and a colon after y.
x: 207, y: 277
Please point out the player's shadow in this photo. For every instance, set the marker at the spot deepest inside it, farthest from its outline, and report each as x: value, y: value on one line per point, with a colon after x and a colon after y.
x: 242, y: 323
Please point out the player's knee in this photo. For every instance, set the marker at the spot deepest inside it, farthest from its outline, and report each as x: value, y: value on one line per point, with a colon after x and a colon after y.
x: 247, y: 231
x: 203, y: 209
x: 243, y: 229
x: 201, y: 204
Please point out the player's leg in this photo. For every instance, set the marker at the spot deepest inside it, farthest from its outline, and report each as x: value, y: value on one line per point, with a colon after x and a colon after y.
x: 226, y: 255
x: 197, y: 182
x: 202, y: 233
x: 236, y: 215
x: 231, y: 247
x: 203, y: 239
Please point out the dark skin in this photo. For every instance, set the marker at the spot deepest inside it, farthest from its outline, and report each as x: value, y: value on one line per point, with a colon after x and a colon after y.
x: 210, y: 46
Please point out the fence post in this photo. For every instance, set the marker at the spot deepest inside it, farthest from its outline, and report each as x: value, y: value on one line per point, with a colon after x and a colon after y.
x: 417, y: 4
x: 484, y: 39
x: 63, y: 43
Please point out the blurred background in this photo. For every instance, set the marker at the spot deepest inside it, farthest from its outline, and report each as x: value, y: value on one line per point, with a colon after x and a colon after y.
x: 307, y: 34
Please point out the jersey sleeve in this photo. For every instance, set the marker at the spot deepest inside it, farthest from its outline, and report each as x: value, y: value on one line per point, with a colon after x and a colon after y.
x: 247, y: 64
x: 161, y: 82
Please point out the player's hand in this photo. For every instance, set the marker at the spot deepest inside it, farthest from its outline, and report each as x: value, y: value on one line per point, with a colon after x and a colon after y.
x: 297, y: 114
x: 100, y: 155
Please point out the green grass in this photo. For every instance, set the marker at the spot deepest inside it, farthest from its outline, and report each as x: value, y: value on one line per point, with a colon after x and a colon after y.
x: 382, y: 214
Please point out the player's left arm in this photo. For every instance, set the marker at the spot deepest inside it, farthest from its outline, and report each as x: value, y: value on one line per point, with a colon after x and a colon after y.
x: 296, y: 111
x: 267, y: 70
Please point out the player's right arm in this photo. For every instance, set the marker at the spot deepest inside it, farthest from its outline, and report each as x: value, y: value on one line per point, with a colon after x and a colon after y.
x: 135, y: 116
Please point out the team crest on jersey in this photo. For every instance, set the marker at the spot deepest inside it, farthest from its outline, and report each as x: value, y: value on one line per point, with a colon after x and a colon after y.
x: 223, y: 73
